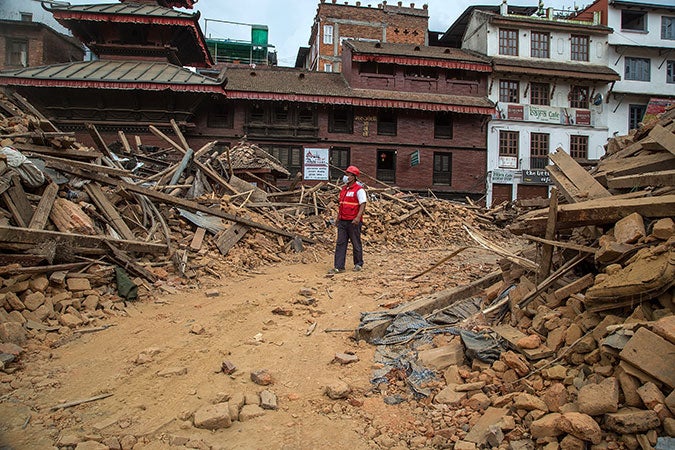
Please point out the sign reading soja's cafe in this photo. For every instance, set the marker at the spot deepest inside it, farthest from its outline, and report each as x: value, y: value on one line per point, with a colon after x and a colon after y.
x: 548, y: 114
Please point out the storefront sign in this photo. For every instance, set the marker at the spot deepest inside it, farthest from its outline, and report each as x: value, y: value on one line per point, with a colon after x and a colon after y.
x: 415, y: 158
x: 316, y: 164
x: 545, y: 114
x: 583, y: 117
x: 508, y: 162
x: 536, y: 177
x: 515, y: 112
x: 502, y: 176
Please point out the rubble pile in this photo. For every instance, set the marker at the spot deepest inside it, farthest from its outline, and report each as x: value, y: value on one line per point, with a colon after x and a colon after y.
x: 86, y: 231
x: 582, y: 324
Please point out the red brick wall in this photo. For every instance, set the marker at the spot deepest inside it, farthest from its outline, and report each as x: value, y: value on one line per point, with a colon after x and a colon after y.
x: 388, y: 23
x: 44, y: 47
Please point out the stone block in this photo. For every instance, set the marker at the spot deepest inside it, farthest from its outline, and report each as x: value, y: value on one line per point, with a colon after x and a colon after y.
x: 443, y: 357
x: 629, y: 229
x: 663, y: 228
x: 601, y: 398
x: 78, y: 284
x: 581, y: 426
x: 631, y: 421
x: 213, y: 417
x: 545, y: 426
x: 651, y: 395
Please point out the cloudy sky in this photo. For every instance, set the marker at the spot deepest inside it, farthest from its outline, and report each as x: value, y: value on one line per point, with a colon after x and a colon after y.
x: 290, y: 21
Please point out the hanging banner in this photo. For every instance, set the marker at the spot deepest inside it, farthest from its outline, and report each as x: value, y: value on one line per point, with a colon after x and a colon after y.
x: 315, y: 164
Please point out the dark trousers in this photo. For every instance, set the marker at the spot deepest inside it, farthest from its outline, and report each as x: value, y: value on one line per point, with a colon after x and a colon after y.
x: 348, y: 232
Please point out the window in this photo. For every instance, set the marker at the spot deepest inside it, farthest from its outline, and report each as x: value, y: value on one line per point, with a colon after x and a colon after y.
x: 508, y: 91
x: 670, y: 72
x: 421, y: 72
x: 290, y: 157
x: 635, y: 115
x: 220, y: 116
x: 377, y: 68
x: 280, y: 115
x: 442, y: 168
x: 341, y: 120
x: 539, y: 44
x: 256, y: 114
x: 17, y: 53
x: 579, y: 147
x: 540, y: 94
x: 327, y: 67
x: 633, y: 20
x: 668, y: 27
x: 328, y: 34
x: 579, y: 97
x: 508, y: 42
x: 579, y: 49
x: 539, y: 150
x: 386, y: 123
x: 443, y: 125
x: 306, y: 116
x: 339, y: 160
x: 508, y: 143
x: 386, y: 166
x: 26, y: 17
x: 637, y: 69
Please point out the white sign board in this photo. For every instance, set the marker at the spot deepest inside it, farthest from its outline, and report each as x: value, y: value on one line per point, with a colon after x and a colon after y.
x: 502, y: 176
x: 316, y: 164
x: 508, y: 162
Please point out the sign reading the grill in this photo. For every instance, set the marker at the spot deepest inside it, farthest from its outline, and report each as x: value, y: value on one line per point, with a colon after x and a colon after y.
x: 536, y: 177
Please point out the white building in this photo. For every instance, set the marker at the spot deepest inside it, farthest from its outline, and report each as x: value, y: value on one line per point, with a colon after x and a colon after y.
x: 549, y: 82
x: 642, y: 51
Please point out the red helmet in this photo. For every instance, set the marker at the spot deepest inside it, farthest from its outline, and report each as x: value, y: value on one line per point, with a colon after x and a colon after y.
x: 353, y: 170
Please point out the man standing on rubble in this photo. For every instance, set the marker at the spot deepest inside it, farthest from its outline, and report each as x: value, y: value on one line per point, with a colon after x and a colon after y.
x: 353, y: 200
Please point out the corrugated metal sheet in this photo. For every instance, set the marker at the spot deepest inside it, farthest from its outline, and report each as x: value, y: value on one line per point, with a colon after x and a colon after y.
x: 112, y: 75
x: 118, y: 9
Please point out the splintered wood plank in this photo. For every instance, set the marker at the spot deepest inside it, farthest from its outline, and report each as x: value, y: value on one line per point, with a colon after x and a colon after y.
x: 43, y: 209
x: 512, y: 336
x: 662, y: 178
x: 574, y: 287
x: 124, y: 141
x: 663, y: 138
x: 16, y: 235
x: 598, y: 212
x: 198, y: 238
x: 109, y: 211
x: 228, y: 238
x: 17, y: 202
x: 583, y: 180
x: 638, y: 164
x: 652, y: 354
x: 566, y: 187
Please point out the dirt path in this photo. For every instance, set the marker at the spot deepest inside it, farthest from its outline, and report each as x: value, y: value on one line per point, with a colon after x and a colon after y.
x: 165, y: 335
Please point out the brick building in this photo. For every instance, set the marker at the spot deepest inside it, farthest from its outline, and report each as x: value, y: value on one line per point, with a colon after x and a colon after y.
x: 24, y: 43
x: 335, y: 23
x: 407, y: 114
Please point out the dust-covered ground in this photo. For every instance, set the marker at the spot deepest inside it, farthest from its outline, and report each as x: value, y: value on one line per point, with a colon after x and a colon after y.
x: 164, y: 361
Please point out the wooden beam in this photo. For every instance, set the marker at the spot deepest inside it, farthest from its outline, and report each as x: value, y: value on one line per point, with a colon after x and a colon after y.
x: 584, y: 181
x: 98, y: 139
x: 566, y: 187
x: 561, y: 244
x: 228, y: 238
x: 547, y: 250
x: 70, y: 154
x: 17, y: 202
x: 663, y: 138
x: 41, y: 214
x: 85, y: 166
x: 634, y: 165
x: 598, y: 212
x: 662, y: 178
x: 176, y: 201
x: 109, y: 211
x: 19, y: 235
x: 124, y: 141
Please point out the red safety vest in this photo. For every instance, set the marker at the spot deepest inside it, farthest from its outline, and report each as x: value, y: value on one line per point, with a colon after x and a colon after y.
x: 349, y: 202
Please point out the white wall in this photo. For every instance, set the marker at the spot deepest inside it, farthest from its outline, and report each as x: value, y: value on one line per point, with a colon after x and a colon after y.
x: 560, y: 48
x: 12, y: 9
x: 652, y: 38
x: 475, y: 36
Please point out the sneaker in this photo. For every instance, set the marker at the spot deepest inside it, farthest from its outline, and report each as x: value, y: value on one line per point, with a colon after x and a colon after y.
x: 357, y: 268
x: 334, y: 271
